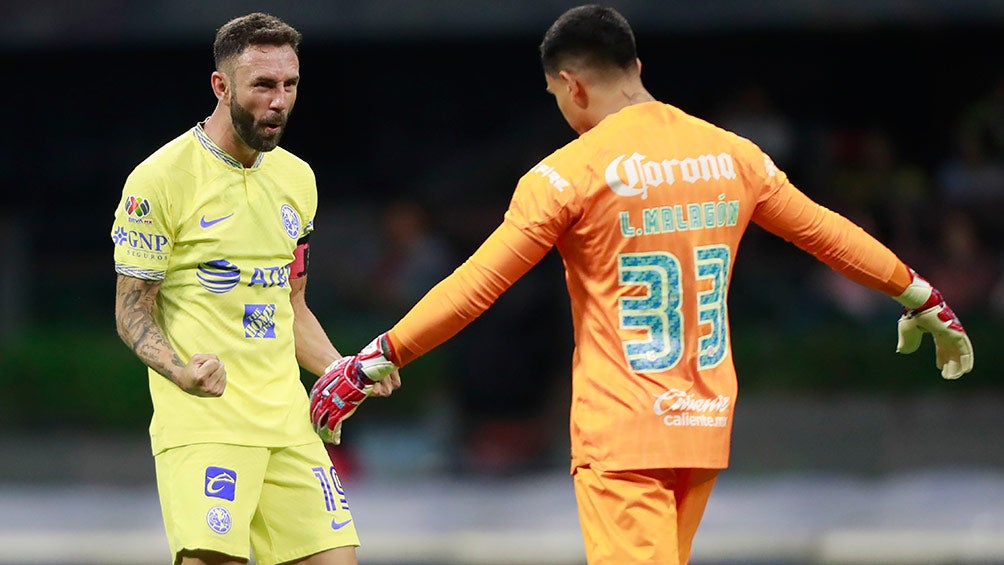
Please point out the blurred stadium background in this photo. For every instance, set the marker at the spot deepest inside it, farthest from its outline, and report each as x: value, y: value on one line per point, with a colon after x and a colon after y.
x: 418, y: 118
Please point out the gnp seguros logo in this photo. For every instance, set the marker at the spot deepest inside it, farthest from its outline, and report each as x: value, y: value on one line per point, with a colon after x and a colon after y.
x: 142, y: 244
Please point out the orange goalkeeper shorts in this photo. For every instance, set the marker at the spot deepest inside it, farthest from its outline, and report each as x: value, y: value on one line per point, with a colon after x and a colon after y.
x: 646, y: 516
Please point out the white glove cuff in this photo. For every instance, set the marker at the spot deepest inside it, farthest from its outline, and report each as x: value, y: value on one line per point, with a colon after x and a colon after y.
x: 378, y: 367
x: 374, y: 361
x: 916, y: 294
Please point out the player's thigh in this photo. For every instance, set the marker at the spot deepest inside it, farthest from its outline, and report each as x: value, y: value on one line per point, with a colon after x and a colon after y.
x: 303, y: 510
x: 642, y: 517
x: 208, y: 494
x: 693, y: 489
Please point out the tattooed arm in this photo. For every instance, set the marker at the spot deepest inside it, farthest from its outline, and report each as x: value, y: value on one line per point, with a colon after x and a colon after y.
x: 203, y: 375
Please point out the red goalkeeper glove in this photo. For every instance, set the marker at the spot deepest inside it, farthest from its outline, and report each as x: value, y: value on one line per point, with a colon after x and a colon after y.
x: 344, y: 386
x: 925, y: 310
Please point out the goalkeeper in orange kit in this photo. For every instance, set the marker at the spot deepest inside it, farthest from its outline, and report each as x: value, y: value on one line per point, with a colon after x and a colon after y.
x: 647, y: 208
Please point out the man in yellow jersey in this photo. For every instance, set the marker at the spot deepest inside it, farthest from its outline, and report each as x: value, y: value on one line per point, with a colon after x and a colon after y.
x: 647, y: 208
x: 211, y: 254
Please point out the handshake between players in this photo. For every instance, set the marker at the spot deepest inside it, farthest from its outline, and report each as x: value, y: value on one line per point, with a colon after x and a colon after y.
x: 346, y: 383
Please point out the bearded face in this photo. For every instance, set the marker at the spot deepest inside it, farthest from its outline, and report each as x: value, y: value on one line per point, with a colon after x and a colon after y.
x: 261, y: 134
x: 260, y: 86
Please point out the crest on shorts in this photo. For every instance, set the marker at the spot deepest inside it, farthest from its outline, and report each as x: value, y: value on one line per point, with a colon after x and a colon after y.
x: 219, y: 519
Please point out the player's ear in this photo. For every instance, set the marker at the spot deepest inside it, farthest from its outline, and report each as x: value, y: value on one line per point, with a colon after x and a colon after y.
x: 221, y: 86
x: 576, y: 88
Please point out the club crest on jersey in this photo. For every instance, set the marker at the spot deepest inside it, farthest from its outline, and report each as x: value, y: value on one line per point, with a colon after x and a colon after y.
x: 290, y: 221
x: 641, y: 174
x: 221, y: 483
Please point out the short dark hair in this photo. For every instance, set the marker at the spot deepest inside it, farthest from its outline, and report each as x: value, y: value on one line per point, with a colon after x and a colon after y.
x: 592, y: 36
x: 253, y: 29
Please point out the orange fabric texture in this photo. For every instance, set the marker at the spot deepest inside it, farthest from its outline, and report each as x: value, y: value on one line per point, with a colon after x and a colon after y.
x: 647, y: 210
x: 626, y: 516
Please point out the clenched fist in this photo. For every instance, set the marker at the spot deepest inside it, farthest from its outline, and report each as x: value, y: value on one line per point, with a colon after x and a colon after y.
x: 204, y: 375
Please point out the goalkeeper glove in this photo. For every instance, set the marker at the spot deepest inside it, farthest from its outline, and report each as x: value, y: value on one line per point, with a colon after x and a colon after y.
x: 925, y: 310
x: 344, y: 386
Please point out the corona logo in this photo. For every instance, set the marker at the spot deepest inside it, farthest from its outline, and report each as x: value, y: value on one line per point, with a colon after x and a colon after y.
x: 635, y: 175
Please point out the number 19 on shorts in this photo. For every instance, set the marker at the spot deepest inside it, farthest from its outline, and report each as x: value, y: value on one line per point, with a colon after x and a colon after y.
x: 660, y: 313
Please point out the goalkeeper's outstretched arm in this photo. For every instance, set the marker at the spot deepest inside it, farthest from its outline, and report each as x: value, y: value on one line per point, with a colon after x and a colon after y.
x: 855, y: 254
x: 446, y: 309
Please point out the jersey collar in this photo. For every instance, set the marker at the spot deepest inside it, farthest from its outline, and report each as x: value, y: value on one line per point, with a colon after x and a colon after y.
x: 207, y: 143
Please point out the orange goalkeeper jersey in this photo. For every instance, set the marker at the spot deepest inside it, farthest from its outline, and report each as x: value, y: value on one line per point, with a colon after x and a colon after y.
x: 647, y: 210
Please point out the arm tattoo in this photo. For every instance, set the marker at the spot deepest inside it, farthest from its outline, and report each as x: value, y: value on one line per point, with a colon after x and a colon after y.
x: 134, y: 305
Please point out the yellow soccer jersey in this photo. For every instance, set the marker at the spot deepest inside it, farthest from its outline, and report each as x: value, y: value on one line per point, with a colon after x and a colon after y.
x: 220, y: 238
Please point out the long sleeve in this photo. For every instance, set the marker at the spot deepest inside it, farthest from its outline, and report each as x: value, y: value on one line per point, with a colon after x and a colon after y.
x: 471, y: 289
x: 833, y: 239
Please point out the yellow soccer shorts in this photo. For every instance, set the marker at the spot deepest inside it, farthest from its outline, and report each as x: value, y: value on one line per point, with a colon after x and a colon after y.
x: 285, y: 503
x: 641, y: 517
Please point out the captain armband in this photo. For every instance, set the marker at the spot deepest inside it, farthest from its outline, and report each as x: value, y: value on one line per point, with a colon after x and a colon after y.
x: 301, y: 259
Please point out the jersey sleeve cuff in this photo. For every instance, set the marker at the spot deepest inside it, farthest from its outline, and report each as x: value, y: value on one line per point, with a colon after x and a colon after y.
x: 916, y: 294
x: 139, y: 272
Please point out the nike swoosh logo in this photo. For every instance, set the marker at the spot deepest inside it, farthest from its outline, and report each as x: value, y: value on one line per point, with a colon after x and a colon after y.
x: 210, y: 223
x: 336, y: 525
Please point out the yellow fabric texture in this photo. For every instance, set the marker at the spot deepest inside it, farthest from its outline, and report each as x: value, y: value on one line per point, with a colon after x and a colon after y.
x: 220, y: 238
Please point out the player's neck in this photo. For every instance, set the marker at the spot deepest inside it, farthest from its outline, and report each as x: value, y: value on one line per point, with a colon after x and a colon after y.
x: 221, y: 130
x: 628, y: 94
x: 617, y: 97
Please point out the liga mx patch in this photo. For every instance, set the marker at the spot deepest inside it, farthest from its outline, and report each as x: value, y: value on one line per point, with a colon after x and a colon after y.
x: 259, y: 321
x: 221, y: 483
x: 137, y: 208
